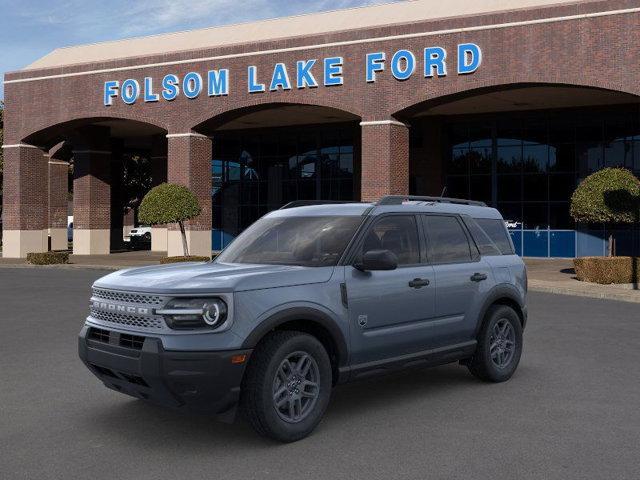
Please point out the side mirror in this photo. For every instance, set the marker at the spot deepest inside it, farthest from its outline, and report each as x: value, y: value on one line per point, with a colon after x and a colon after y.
x: 377, y: 260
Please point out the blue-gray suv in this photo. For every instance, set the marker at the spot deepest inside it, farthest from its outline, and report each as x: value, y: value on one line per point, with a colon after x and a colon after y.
x: 308, y: 297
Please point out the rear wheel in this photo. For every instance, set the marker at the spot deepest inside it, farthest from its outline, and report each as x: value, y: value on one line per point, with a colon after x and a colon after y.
x: 499, y: 345
x: 287, y: 386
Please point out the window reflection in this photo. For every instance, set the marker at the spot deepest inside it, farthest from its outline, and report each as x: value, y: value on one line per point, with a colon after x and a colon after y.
x: 538, y: 159
x: 255, y: 171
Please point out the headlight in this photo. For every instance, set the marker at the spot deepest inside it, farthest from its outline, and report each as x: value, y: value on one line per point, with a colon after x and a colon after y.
x: 190, y: 313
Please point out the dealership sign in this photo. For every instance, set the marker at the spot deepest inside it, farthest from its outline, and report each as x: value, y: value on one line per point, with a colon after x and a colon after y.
x: 308, y: 73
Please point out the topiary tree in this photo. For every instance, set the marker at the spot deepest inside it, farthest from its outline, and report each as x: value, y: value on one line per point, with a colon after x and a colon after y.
x: 611, y: 195
x: 170, y: 203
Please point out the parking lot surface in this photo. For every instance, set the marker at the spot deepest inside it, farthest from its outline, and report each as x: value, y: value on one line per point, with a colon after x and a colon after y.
x: 571, y: 410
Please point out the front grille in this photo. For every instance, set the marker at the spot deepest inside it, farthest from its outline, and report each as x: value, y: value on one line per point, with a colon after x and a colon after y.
x: 131, y: 341
x: 99, y: 335
x: 128, y: 320
x: 125, y: 297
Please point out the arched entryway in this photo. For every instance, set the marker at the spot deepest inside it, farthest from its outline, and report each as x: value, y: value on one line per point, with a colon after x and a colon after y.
x: 523, y: 149
x: 112, y: 162
x: 266, y: 156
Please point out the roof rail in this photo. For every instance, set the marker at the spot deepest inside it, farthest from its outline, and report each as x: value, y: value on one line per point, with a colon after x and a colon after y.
x: 306, y: 203
x: 399, y: 199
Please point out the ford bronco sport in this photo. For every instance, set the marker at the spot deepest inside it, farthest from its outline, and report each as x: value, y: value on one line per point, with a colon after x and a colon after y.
x: 308, y: 297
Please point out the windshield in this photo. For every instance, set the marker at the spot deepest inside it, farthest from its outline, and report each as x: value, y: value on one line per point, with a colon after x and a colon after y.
x: 304, y: 241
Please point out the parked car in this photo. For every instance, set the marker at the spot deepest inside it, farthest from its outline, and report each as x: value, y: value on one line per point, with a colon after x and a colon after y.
x: 309, y: 297
x: 140, y: 238
x: 69, y: 228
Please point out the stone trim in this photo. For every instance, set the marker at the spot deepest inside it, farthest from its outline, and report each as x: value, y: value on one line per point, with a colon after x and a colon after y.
x: 383, y: 122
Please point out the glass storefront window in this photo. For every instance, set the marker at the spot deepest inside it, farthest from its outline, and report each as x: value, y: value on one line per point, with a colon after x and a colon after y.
x: 539, y: 158
x: 255, y: 171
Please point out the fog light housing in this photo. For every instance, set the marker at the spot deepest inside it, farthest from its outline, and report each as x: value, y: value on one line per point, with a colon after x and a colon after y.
x: 192, y: 313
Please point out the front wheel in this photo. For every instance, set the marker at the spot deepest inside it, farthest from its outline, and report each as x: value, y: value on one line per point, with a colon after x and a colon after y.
x: 287, y: 386
x: 499, y: 345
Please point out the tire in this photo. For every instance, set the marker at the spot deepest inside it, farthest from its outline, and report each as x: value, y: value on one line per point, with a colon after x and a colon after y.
x: 499, y: 364
x: 278, y: 398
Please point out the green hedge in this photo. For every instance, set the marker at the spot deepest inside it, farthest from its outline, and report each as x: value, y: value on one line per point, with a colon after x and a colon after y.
x: 190, y: 258
x: 607, y: 270
x: 48, y: 258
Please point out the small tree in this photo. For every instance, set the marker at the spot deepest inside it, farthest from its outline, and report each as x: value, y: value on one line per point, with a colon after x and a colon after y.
x: 170, y: 203
x: 611, y: 195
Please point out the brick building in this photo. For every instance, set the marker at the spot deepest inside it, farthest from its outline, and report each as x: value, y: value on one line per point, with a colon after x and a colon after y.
x: 507, y: 101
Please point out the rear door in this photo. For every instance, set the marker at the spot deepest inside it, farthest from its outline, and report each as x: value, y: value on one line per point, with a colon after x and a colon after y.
x: 390, y: 311
x: 462, y: 278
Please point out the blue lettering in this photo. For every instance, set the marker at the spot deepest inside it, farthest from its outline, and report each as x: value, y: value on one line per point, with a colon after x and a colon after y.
x: 170, y: 87
x: 434, y: 58
x: 192, y: 85
x: 149, y: 96
x: 130, y: 91
x: 375, y: 63
x: 280, y: 78
x: 218, y: 82
x: 333, y: 71
x: 110, y: 92
x: 469, y: 58
x: 304, y: 77
x: 254, y: 87
x: 403, y: 64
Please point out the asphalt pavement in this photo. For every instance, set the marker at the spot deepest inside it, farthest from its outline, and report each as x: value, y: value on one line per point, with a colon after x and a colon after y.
x: 571, y: 410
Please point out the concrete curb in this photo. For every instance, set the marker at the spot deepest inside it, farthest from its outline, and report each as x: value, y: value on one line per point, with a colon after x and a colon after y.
x: 584, y: 291
x: 67, y: 266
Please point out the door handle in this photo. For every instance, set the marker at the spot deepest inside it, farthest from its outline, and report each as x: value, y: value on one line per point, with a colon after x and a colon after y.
x: 418, y: 282
x: 478, y: 277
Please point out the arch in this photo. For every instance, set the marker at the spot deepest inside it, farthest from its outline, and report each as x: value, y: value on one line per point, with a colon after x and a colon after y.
x: 410, y: 107
x: 211, y: 122
x: 47, y: 136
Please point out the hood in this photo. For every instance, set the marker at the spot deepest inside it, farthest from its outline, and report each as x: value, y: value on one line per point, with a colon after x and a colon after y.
x: 209, y: 277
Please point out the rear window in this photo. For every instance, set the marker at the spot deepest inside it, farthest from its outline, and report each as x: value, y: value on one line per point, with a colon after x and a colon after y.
x: 497, y: 232
x: 447, y: 241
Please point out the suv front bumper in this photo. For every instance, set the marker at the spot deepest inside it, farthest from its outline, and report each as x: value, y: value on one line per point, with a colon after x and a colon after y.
x: 205, y: 381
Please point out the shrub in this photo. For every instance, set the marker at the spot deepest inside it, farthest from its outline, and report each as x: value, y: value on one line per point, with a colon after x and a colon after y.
x: 190, y: 258
x: 607, y: 270
x: 170, y: 203
x: 48, y: 258
x: 611, y: 195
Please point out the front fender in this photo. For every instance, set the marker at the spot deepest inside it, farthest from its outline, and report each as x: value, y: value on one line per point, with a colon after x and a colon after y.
x: 314, y: 313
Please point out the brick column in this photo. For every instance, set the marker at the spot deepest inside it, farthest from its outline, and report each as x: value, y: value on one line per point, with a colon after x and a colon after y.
x: 25, y: 212
x: 58, y: 191
x: 158, y: 175
x: 92, y: 192
x: 385, y: 159
x: 189, y: 164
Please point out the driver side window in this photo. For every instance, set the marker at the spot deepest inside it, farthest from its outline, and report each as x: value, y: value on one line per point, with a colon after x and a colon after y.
x: 396, y: 233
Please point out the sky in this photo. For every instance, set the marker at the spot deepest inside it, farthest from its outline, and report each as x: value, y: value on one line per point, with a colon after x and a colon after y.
x: 29, y: 29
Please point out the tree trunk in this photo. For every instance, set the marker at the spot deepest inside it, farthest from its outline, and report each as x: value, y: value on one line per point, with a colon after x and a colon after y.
x: 185, y: 247
x: 610, y: 253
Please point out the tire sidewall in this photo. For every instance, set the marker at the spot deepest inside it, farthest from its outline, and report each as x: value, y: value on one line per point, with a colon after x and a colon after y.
x: 495, y: 315
x: 294, y: 431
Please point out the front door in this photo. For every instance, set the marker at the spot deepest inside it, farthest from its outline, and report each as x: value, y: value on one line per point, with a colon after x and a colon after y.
x: 390, y: 311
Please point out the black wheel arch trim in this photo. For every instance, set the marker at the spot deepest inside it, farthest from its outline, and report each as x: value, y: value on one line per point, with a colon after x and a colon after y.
x: 500, y: 292
x: 304, y: 314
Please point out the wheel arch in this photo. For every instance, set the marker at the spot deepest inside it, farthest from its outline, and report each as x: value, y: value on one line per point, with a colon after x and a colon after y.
x: 503, y: 295
x: 308, y: 320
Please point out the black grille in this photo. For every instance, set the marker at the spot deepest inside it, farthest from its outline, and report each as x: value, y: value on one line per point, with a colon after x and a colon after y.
x: 99, y: 335
x: 131, y: 341
x: 136, y: 380
x: 104, y: 371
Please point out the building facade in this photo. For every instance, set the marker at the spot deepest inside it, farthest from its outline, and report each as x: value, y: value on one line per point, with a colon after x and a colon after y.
x: 511, y: 107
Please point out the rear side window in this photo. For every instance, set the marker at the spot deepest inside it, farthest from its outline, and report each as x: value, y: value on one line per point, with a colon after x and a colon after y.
x: 484, y: 243
x: 448, y: 242
x: 497, y: 232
